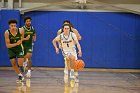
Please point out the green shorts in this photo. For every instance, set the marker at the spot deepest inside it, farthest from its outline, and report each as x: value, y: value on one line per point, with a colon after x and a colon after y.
x: 27, y: 50
x: 15, y: 53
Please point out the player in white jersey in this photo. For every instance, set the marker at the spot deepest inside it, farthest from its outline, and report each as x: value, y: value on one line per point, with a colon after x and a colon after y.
x: 72, y: 29
x: 68, y: 40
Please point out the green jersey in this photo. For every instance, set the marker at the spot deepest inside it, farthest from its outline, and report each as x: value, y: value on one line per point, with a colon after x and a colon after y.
x: 14, y: 39
x: 31, y: 32
x: 18, y: 50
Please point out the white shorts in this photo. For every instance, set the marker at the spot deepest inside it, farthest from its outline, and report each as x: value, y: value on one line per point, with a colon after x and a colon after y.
x: 67, y: 53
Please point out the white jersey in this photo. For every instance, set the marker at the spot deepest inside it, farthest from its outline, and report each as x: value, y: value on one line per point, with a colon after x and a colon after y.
x: 67, y: 42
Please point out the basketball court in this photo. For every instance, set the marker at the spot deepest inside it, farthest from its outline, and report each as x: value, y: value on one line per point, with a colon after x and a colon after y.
x: 108, y: 34
x: 52, y: 81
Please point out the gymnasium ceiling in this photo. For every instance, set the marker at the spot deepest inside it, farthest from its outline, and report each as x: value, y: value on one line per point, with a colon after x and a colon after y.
x: 73, y: 5
x: 106, y: 1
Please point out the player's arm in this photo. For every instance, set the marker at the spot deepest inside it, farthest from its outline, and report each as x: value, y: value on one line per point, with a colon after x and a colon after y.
x: 22, y: 34
x: 79, y: 49
x: 78, y: 45
x: 55, y: 40
x: 77, y: 34
x: 59, y: 32
x: 34, y: 37
x: 7, y: 41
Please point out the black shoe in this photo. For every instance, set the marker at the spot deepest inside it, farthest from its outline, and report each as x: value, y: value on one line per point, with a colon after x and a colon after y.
x: 20, y: 79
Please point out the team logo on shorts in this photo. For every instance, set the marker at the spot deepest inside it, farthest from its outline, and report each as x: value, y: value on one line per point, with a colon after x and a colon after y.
x: 21, y: 53
x: 30, y: 50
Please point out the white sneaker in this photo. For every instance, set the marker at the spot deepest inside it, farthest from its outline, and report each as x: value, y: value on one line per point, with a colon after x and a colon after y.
x: 76, y: 79
x: 28, y: 75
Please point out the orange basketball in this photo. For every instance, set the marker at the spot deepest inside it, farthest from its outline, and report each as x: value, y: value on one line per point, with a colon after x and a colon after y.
x: 79, y: 64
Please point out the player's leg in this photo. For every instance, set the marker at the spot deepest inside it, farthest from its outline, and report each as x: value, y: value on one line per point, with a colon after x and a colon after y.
x: 25, y: 64
x: 72, y: 76
x: 16, y: 69
x: 12, y: 56
x: 67, y: 65
x: 14, y: 66
x: 27, y: 60
x: 20, y: 63
x: 28, y: 56
x: 75, y: 70
x: 66, y: 60
x: 20, y: 59
x: 71, y: 60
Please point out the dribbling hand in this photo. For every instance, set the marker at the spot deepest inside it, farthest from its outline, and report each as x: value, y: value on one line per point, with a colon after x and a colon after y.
x: 57, y: 51
x: 80, y: 53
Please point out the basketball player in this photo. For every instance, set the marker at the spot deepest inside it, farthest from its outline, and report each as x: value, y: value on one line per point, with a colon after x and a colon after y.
x: 29, y: 38
x: 72, y: 29
x: 13, y: 40
x: 68, y: 40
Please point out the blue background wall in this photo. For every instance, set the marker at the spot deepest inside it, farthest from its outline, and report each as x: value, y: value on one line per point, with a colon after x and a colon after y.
x: 109, y: 40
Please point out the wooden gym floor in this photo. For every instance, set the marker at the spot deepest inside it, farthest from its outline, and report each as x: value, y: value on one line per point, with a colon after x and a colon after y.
x: 50, y: 80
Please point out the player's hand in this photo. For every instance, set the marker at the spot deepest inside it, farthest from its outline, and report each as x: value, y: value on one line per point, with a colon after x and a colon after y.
x: 34, y: 39
x: 57, y: 51
x: 19, y: 42
x: 80, y: 53
x: 79, y: 38
x: 27, y: 38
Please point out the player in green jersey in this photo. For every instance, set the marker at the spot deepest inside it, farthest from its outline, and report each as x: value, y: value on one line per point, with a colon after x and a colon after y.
x: 29, y: 38
x: 13, y: 39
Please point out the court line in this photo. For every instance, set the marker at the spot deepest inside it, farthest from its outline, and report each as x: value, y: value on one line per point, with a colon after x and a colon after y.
x: 86, y: 69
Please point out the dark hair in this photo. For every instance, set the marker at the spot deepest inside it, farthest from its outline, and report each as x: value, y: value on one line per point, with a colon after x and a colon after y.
x: 62, y: 29
x: 12, y: 21
x: 27, y: 17
x: 66, y: 25
x: 71, y: 25
x: 68, y: 21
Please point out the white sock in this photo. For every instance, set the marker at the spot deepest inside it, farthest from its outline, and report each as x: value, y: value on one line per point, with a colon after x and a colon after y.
x: 29, y: 71
x: 72, y: 72
x: 20, y: 74
x: 76, y: 73
x: 25, y: 63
